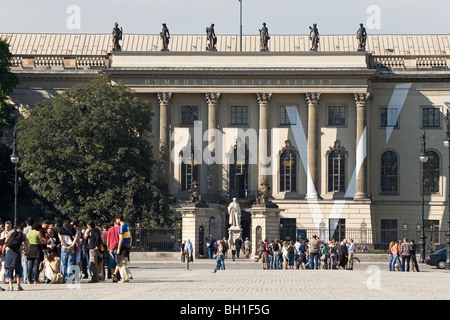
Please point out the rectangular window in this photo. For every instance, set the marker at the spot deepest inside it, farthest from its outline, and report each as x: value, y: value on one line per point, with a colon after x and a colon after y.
x: 288, y: 229
x: 239, y: 115
x: 389, y: 117
x: 337, y: 115
x: 337, y: 229
x: 189, y: 114
x: 288, y: 116
x: 431, y: 118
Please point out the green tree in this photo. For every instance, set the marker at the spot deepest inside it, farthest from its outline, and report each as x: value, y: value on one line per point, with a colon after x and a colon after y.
x: 8, y: 82
x: 88, y: 153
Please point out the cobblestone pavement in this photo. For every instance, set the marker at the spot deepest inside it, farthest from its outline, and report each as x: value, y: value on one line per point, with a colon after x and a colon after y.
x: 245, y: 280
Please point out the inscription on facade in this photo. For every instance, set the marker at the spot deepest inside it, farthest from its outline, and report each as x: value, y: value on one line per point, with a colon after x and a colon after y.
x: 240, y: 82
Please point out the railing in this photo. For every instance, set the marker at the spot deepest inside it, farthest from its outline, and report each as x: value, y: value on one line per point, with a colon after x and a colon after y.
x: 156, y: 239
x: 60, y: 62
x: 393, y: 62
x: 170, y: 239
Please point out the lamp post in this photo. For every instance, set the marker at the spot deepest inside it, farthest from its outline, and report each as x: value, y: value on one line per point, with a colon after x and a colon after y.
x: 15, y: 159
x: 447, y: 144
x: 423, y: 158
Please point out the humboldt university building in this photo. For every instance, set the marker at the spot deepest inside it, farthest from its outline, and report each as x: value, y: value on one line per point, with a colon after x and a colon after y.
x: 336, y: 133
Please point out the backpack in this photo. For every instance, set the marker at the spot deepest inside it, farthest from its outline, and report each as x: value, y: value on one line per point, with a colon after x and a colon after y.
x: 275, y: 247
x: 291, y: 249
x: 15, y: 241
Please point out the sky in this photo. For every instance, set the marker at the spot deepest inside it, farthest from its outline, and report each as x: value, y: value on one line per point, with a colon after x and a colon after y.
x: 193, y: 16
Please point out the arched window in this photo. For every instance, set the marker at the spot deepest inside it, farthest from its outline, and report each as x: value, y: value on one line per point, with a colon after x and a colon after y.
x: 288, y: 169
x: 431, y: 173
x: 389, y: 173
x: 336, y: 168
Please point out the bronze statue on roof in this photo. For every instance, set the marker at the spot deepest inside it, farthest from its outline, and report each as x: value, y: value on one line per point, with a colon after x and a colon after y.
x: 361, y: 35
x: 165, y: 36
x: 314, y: 37
x: 211, y: 37
x: 117, y: 36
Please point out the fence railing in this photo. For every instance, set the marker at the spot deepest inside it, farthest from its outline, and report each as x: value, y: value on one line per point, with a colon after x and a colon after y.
x: 170, y: 239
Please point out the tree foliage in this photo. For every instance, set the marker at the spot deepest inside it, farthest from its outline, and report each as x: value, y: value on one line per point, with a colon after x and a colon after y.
x: 89, y: 154
x: 8, y: 82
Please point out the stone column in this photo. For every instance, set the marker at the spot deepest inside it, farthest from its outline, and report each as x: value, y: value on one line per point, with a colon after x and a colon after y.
x: 312, y: 99
x: 212, y: 99
x: 165, y: 99
x: 264, y: 138
x: 361, y: 145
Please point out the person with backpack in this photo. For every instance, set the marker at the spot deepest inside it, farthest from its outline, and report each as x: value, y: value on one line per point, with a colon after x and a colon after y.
x: 92, y: 240
x: 276, y: 256
x: 291, y: 254
x: 13, y: 257
x: 265, y: 254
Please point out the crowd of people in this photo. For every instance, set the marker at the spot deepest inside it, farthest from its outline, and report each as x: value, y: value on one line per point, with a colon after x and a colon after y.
x: 306, y: 254
x: 36, y: 252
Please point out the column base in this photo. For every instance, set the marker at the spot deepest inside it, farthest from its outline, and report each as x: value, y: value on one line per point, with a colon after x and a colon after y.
x: 361, y: 196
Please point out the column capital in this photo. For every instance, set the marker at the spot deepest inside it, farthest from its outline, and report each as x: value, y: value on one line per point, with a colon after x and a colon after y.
x: 213, y: 97
x: 165, y: 97
x: 312, y: 98
x: 264, y: 98
x: 361, y: 99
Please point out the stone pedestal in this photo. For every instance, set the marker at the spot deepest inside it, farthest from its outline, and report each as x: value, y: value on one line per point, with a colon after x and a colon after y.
x: 234, y: 233
x: 195, y: 217
x: 265, y: 224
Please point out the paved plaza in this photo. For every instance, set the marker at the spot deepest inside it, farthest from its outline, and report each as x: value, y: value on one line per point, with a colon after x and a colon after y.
x: 168, y: 279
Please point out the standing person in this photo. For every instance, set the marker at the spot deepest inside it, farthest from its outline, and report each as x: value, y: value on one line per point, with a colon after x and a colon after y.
x: 314, y: 250
x: 112, y: 240
x: 123, y: 251
x: 183, y: 253
x: 188, y: 249
x: 219, y: 256
x: 333, y: 254
x: 35, y: 254
x: 29, y: 223
x: 351, y: 254
x: 342, y: 252
x: 13, y: 257
x: 233, y: 251
x: 78, y: 245
x: 391, y: 257
x: 238, y: 243
x: 301, y: 255
x: 68, y: 238
x: 405, y: 252
x: 265, y: 254
x: 297, y: 250
x: 414, y: 264
x: 92, y: 242
x: 225, y: 246
x: 325, y: 256
x: 247, y: 247
x: 291, y: 254
x: 396, y: 253
x: 8, y: 228
x: 276, y: 257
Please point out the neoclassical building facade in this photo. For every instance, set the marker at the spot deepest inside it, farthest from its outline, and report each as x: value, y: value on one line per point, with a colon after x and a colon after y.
x: 336, y: 133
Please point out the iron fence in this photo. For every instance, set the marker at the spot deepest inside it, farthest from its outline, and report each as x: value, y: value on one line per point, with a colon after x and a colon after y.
x: 156, y: 239
x: 170, y: 239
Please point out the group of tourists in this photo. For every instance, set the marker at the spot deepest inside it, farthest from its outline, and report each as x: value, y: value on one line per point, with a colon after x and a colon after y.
x: 402, y: 254
x: 306, y: 254
x: 36, y: 252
